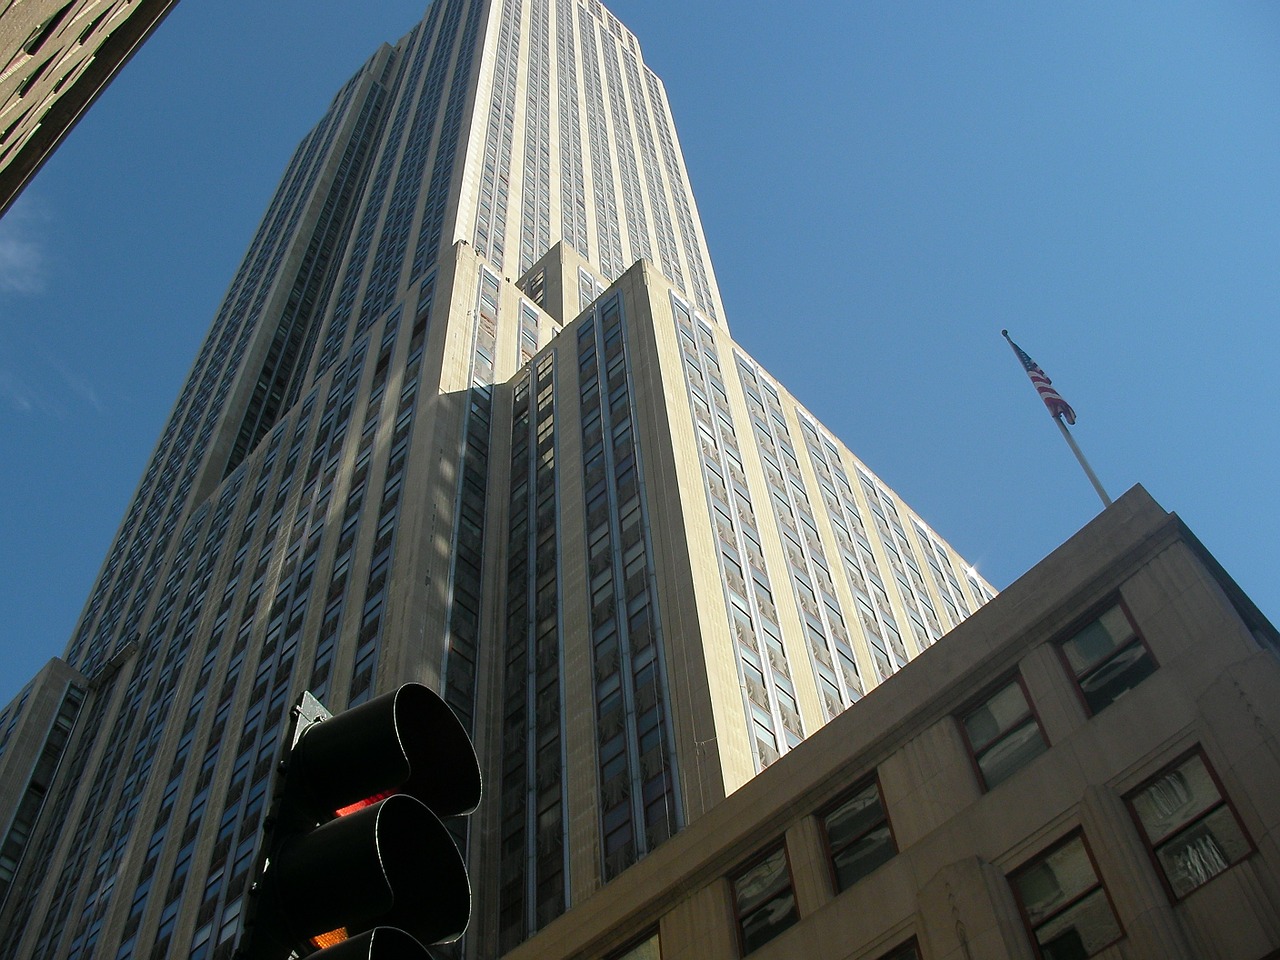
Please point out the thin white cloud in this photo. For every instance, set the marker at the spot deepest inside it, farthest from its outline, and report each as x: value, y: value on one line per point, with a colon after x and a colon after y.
x: 79, y: 385
x: 41, y: 383
x: 22, y: 262
x: 36, y: 390
x: 14, y: 393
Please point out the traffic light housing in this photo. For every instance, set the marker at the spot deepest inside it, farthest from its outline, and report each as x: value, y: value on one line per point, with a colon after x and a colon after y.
x: 356, y: 852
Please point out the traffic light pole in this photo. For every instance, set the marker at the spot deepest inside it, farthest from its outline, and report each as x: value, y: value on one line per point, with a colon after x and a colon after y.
x: 256, y: 942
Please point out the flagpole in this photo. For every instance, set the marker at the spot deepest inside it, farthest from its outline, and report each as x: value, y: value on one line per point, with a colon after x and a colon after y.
x: 1088, y: 470
x: 1059, y: 409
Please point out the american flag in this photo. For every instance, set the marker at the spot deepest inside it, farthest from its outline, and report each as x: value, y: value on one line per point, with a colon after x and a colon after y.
x: 1044, y: 386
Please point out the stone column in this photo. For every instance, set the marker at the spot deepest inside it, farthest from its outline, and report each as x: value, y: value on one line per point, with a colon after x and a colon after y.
x: 968, y: 913
x: 701, y: 927
x: 1140, y: 900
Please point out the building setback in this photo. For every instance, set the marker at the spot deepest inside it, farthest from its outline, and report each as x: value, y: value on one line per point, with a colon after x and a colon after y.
x: 470, y: 414
x: 1087, y: 767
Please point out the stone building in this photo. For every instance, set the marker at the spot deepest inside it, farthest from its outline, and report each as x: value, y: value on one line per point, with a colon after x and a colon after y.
x: 57, y: 56
x: 1087, y: 767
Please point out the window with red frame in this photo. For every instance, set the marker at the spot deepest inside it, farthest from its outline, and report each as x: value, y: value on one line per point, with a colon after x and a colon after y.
x: 765, y: 899
x: 1189, y: 825
x: 1108, y: 658
x: 858, y: 835
x: 1065, y: 906
x: 1004, y: 734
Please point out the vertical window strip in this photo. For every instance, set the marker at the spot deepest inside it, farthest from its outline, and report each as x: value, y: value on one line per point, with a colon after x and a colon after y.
x: 871, y: 592
x: 376, y: 197
x: 589, y: 289
x: 470, y: 506
x: 608, y: 232
x: 383, y: 551
x: 639, y: 804
x: 548, y: 781
x: 822, y: 619
x: 320, y: 482
x: 369, y: 629
x: 658, y: 202
x: 632, y: 196
x: 573, y: 191
x: 935, y: 554
x: 535, y: 221
x: 73, y: 869
x: 769, y: 700
x: 534, y: 870
x: 679, y: 189
x: 308, y: 533
x: 9, y: 718
x: 63, y: 889
x: 528, y: 332
x: 877, y: 623
x: 516, y: 829
x: 491, y: 214
x: 384, y: 280
x: 431, y: 230
x: 928, y: 600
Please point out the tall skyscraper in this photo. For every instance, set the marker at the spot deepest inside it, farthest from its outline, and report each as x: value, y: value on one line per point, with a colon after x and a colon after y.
x: 470, y: 414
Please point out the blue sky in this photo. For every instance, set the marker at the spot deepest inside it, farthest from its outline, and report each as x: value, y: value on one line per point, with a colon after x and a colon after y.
x: 884, y: 185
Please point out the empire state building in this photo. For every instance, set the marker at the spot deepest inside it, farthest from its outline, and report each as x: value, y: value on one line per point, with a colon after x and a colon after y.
x: 470, y: 414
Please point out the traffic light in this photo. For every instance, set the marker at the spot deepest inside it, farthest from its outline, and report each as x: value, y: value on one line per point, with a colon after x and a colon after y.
x: 357, y: 861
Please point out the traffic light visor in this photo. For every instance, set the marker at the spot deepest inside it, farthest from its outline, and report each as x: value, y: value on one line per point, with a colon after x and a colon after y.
x: 407, y: 741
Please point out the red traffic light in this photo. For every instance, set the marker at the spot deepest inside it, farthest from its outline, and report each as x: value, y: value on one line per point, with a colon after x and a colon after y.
x: 407, y: 741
